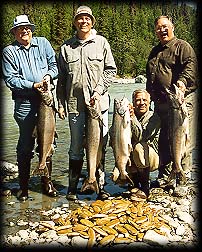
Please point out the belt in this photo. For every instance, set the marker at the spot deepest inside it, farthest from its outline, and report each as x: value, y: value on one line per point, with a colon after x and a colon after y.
x: 24, y: 97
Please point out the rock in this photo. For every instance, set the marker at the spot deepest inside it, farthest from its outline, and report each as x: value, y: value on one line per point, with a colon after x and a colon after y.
x: 65, y: 205
x: 55, y: 216
x: 180, y: 191
x: 138, y: 245
x: 184, y: 216
x: 154, y: 238
x: 183, y: 208
x: 50, y: 234
x: 24, y: 234
x: 194, y: 206
x: 22, y: 223
x: 8, y: 168
x: 175, y: 238
x: 34, y: 235
x: 54, y: 244
x: 64, y: 240
x: 140, y: 79
x: 180, y: 230
x: 11, y: 224
x: 124, y: 81
x: 180, y: 213
x: 6, y: 192
x: 16, y: 240
x: 173, y: 223
x: 79, y: 242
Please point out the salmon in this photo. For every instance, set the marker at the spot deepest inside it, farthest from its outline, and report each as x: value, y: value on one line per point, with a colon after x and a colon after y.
x: 120, y: 140
x: 46, y: 131
x: 178, y: 133
x: 93, y: 145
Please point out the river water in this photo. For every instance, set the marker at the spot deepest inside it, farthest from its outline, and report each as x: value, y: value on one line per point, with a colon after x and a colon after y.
x: 13, y: 210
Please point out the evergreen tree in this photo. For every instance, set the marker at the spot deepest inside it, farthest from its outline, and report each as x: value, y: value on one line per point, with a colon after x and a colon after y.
x: 127, y: 25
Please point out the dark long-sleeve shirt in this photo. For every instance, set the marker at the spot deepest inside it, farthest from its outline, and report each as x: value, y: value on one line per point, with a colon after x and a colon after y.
x: 169, y: 63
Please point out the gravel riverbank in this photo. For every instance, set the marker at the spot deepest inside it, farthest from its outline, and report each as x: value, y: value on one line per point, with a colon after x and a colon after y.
x: 39, y: 222
x: 164, y: 221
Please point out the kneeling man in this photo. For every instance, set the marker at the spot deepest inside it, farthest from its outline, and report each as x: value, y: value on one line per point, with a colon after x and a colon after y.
x: 145, y: 127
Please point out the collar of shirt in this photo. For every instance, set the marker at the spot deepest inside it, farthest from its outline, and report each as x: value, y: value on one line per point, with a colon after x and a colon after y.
x: 33, y: 43
x: 169, y: 44
x: 91, y: 38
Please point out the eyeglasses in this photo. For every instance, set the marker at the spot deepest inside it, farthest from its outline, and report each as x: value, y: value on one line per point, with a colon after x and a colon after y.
x: 163, y: 27
x: 22, y: 28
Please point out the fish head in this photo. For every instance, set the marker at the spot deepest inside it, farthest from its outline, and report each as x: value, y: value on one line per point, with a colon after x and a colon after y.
x: 121, y: 106
x: 176, y: 97
x: 47, y: 98
x: 94, y: 109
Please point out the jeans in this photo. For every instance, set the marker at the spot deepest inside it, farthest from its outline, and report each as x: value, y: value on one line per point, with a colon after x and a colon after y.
x: 77, y: 131
x: 25, y: 113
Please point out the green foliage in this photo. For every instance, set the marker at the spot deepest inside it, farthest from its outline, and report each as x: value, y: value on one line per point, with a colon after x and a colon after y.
x: 127, y: 25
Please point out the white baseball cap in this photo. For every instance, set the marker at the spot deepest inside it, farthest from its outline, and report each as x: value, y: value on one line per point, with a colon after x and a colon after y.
x: 82, y: 10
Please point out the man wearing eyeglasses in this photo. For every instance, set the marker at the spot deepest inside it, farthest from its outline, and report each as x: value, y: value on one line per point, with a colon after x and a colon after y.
x: 172, y: 61
x: 29, y: 64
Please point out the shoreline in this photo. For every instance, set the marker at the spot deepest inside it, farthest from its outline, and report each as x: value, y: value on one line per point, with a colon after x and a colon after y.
x: 179, y: 214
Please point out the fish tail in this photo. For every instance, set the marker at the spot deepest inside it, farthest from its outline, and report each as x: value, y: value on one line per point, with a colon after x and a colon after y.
x: 129, y: 180
x: 90, y: 186
x: 181, y: 178
x: 115, y: 174
x: 39, y: 171
x: 172, y: 175
x: 122, y: 180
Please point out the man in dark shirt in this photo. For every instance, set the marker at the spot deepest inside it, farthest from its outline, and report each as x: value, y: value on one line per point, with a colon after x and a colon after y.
x: 172, y: 61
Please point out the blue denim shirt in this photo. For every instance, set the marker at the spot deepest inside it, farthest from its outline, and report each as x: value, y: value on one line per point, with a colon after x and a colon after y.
x: 22, y: 67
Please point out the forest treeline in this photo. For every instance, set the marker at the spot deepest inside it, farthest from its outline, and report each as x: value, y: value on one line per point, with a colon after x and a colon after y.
x: 127, y: 25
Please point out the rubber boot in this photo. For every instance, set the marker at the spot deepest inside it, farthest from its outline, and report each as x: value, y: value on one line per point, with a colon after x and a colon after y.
x: 135, y: 178
x: 47, y: 185
x: 75, y: 167
x: 143, y: 175
x: 24, y: 175
x: 100, y: 175
x: 133, y: 174
x: 164, y: 175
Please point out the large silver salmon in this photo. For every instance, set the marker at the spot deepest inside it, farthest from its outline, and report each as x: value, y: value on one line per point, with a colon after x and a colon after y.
x: 178, y: 133
x: 120, y: 140
x: 93, y: 145
x: 45, y: 131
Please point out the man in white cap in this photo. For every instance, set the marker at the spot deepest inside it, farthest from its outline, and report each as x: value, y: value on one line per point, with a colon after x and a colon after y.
x: 29, y: 64
x: 86, y: 69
